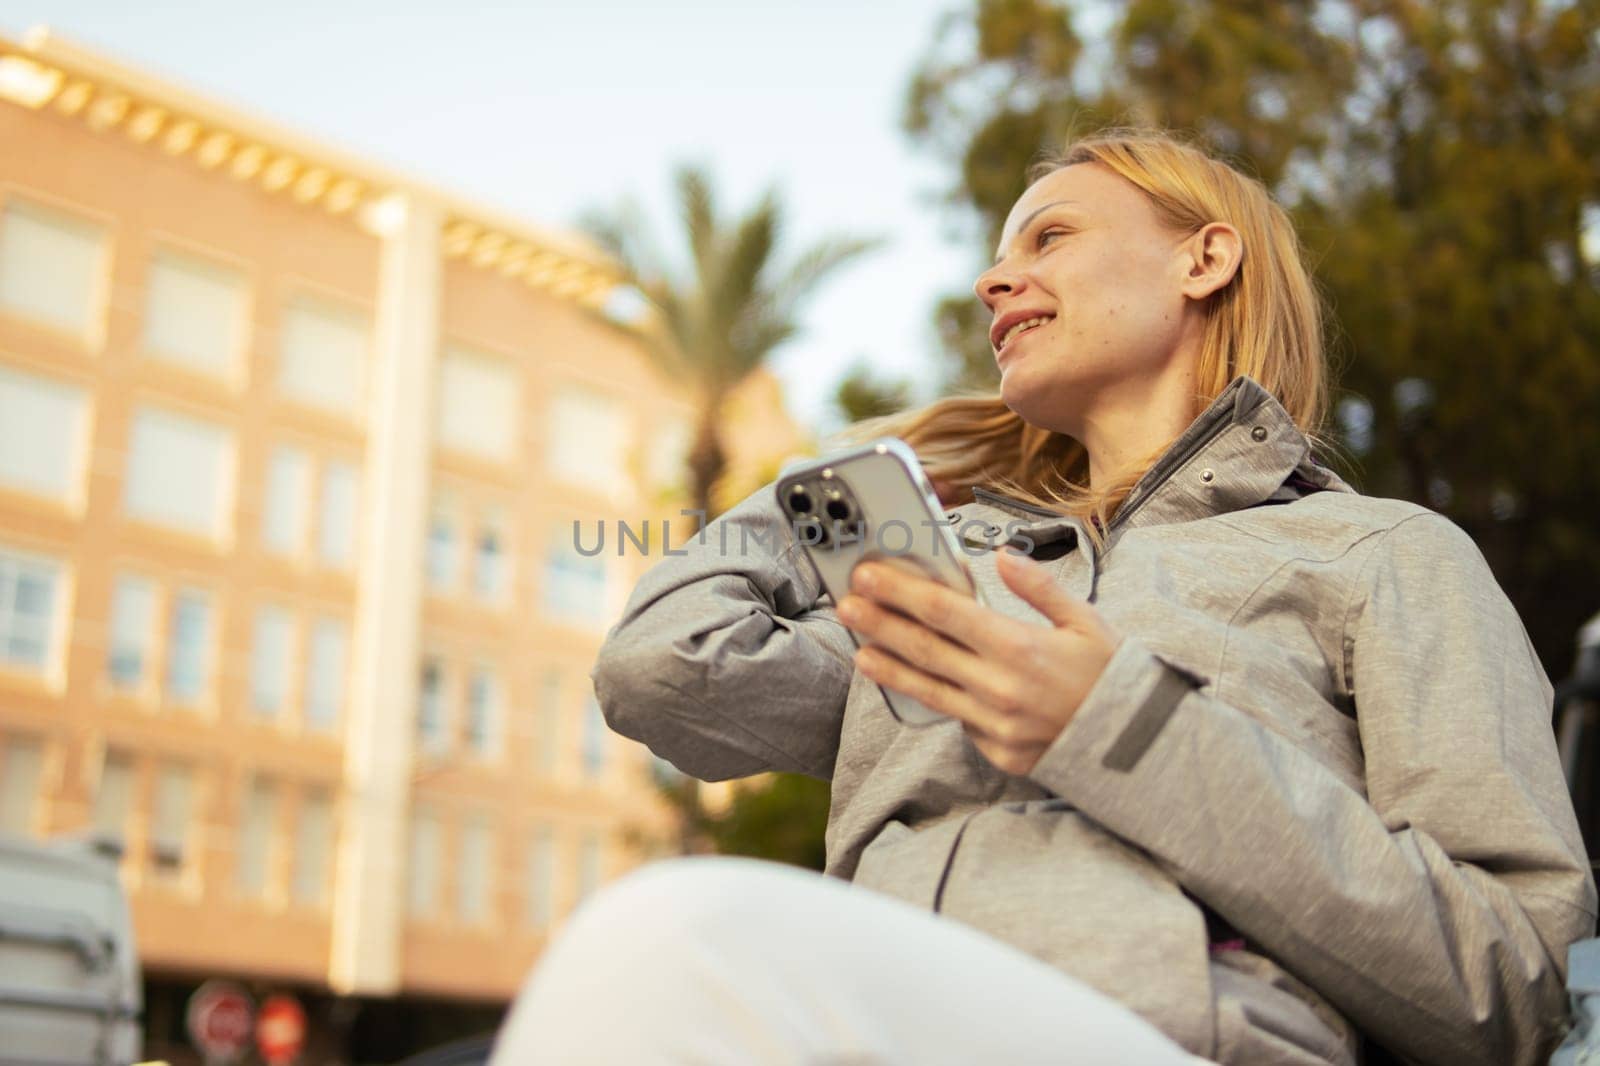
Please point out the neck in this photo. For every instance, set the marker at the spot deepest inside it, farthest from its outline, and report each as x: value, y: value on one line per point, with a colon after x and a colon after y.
x: 1133, y: 421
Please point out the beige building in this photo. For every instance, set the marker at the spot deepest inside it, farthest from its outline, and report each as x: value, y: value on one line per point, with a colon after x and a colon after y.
x: 291, y: 450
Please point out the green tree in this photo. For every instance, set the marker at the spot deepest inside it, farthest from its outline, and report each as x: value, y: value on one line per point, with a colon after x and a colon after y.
x: 723, y: 314
x: 859, y: 395
x: 1442, y: 162
x: 782, y: 818
x: 717, y: 319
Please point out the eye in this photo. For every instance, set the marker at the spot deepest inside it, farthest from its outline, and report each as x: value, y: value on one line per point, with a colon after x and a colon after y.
x: 1045, y: 235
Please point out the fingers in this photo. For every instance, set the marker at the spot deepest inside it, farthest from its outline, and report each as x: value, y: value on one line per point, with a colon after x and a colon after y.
x: 1014, y: 685
x: 1039, y: 588
x: 927, y: 689
x: 1001, y: 739
x: 920, y: 646
x: 961, y: 618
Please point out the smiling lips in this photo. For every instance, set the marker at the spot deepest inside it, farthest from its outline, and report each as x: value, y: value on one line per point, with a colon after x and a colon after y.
x: 1012, y: 326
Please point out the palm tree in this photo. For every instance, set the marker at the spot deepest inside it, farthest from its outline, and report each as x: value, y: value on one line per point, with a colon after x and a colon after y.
x: 725, y: 315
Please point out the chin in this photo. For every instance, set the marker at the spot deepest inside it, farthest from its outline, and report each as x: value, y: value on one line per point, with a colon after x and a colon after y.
x: 1038, y: 403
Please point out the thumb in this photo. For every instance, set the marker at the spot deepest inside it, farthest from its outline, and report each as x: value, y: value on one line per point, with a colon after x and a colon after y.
x: 1035, y: 585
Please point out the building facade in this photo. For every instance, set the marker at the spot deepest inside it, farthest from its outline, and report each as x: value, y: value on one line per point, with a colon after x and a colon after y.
x: 291, y: 453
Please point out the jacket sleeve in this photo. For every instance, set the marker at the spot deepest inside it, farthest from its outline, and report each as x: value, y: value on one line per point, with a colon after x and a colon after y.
x: 1435, y: 911
x: 727, y: 660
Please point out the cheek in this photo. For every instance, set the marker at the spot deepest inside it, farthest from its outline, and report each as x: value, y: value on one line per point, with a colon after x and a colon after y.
x: 1132, y: 307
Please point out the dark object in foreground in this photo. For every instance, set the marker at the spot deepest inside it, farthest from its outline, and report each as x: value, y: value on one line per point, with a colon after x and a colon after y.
x: 472, y: 1051
x: 1577, y: 723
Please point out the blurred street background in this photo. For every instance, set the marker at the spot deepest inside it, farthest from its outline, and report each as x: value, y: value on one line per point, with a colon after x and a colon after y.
x: 324, y: 329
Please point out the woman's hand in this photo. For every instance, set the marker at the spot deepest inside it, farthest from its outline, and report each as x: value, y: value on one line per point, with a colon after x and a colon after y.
x: 1014, y: 685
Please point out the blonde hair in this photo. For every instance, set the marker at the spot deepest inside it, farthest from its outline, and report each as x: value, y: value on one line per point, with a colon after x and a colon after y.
x: 1266, y: 323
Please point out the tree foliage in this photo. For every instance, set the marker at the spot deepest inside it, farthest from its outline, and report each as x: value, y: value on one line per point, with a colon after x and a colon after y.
x: 1442, y: 162
x: 725, y: 312
x: 781, y: 818
x: 861, y: 395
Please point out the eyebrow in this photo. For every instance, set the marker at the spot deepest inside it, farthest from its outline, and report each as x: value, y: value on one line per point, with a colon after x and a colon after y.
x: 1036, y: 214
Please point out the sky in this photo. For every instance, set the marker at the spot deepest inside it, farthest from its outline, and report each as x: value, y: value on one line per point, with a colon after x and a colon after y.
x: 546, y: 110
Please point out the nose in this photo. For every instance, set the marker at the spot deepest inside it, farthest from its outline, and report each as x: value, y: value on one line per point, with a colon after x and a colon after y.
x: 994, y: 282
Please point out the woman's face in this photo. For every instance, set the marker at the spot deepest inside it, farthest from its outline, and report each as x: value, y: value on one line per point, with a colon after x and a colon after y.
x: 1083, y: 252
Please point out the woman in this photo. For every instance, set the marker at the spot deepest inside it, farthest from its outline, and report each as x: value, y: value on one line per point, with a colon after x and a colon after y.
x: 1242, y: 766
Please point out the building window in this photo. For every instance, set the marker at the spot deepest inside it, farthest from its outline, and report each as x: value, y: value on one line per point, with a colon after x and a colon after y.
x: 52, y: 267
x: 422, y: 865
x: 283, y: 514
x: 180, y: 473
x: 483, y: 712
x: 574, y: 585
x: 594, y: 738
x: 322, y: 357
x: 325, y: 674
x: 169, y: 824
x: 189, y: 647
x: 19, y: 784
x: 432, y: 714
x: 489, y: 566
x: 269, y: 660
x: 336, y: 531
x: 588, y: 864
x: 256, y: 825
x: 46, y: 426
x: 28, y: 593
x: 588, y: 441
x: 479, y: 402
x: 133, y: 616
x: 541, y: 877
x: 196, y: 314
x: 442, y: 547
x: 113, y: 800
x: 313, y: 849
x: 477, y: 872
x: 547, y: 739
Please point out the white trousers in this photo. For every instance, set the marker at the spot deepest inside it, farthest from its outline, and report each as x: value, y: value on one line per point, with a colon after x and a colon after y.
x: 739, y: 962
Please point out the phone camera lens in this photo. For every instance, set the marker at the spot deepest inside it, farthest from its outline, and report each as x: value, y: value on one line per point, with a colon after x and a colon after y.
x: 811, y: 532
x: 800, y: 500
x: 838, y: 510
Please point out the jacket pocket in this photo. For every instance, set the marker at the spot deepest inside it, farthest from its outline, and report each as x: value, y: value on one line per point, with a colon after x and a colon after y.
x: 908, y: 863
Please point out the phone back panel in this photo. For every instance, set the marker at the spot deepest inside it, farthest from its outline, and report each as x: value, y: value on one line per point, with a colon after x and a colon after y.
x: 896, y: 517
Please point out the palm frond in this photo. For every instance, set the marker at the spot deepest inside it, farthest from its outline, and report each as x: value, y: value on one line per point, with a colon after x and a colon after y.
x: 757, y: 339
x: 746, y: 263
x: 697, y: 201
x: 816, y: 263
x: 607, y: 229
x: 724, y: 314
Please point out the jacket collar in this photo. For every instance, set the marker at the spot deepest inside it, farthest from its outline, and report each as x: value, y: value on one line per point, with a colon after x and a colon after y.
x: 1242, y: 450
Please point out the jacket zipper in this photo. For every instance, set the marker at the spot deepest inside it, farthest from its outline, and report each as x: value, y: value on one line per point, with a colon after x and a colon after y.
x: 1132, y: 504
x: 1223, y: 419
x: 1174, y: 464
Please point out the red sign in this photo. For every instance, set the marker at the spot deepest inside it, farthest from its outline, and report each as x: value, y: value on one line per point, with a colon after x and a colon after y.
x: 280, y: 1030
x: 221, y: 1019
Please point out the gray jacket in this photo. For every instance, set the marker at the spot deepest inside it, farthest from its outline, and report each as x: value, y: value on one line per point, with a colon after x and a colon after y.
x: 1326, y: 735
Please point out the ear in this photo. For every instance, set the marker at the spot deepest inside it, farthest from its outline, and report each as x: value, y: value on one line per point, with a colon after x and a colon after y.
x: 1213, y: 255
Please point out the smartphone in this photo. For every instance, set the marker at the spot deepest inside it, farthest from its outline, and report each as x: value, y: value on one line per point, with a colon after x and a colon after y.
x: 874, y: 502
